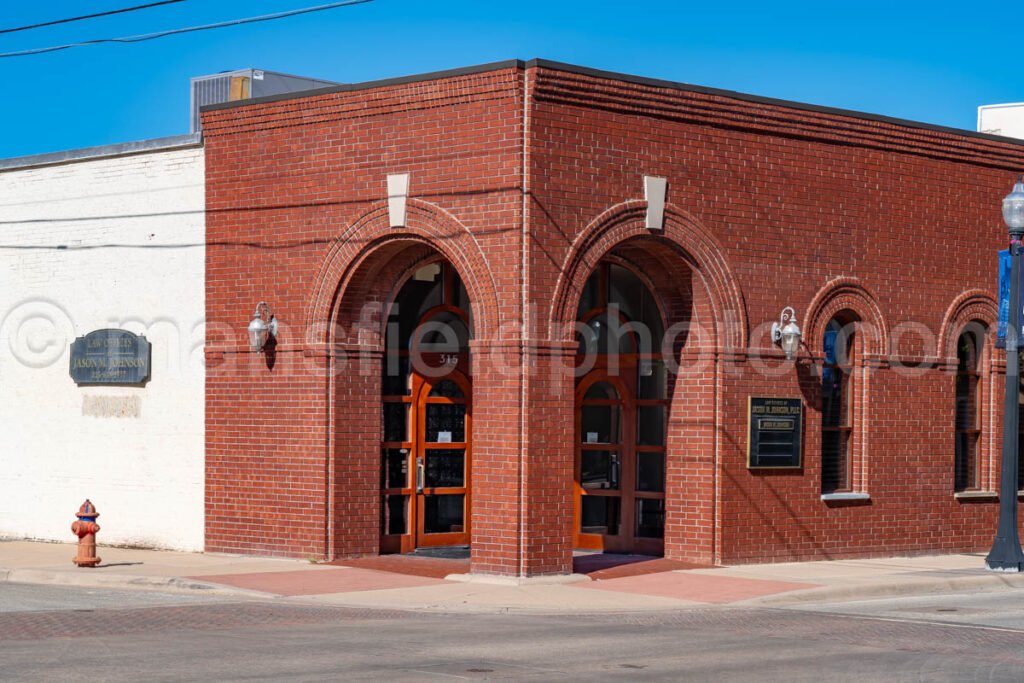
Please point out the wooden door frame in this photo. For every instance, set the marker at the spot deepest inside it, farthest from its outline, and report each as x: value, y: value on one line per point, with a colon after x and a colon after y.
x: 599, y: 541
x: 422, y: 386
x: 627, y: 541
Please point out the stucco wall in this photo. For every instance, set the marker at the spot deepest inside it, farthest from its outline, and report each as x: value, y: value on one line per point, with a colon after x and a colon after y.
x: 96, y: 243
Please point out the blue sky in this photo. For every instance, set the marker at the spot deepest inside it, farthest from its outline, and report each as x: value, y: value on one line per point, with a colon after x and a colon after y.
x: 928, y: 62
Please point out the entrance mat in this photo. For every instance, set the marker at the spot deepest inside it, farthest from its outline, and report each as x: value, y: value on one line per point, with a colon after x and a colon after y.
x: 695, y: 587
x: 447, y: 552
x: 409, y: 565
x: 602, y: 566
x: 319, y: 582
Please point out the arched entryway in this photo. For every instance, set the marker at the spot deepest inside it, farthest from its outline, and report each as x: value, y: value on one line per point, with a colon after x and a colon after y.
x: 426, y: 403
x: 622, y: 402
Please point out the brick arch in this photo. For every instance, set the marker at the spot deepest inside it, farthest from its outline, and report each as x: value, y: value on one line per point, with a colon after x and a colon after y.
x: 684, y: 240
x: 975, y: 304
x: 847, y: 293
x: 370, y: 252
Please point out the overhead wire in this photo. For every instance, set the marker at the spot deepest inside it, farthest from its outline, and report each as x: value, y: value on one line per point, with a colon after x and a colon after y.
x: 69, y: 20
x: 191, y: 29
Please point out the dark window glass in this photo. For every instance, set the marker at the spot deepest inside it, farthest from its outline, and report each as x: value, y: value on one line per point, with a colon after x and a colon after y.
x: 599, y: 469
x: 600, y: 424
x: 443, y: 333
x: 606, y: 334
x: 834, y: 456
x: 446, y: 389
x: 591, y: 297
x: 419, y: 294
x: 445, y: 467
x: 443, y: 514
x: 446, y: 423
x: 396, y: 421
x: 965, y: 461
x: 630, y: 295
x: 650, y: 471
x: 650, y: 428
x: 836, y: 413
x: 396, y: 376
x: 394, y: 514
x: 652, y: 380
x: 599, y: 515
x: 650, y: 518
x: 394, y: 468
x: 602, y: 391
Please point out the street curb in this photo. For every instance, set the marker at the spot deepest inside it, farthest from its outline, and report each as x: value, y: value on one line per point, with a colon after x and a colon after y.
x: 124, y: 581
x: 495, y: 580
x: 989, y: 582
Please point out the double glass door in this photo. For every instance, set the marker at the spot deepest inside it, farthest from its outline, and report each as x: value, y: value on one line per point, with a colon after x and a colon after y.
x: 620, y: 464
x: 425, y: 474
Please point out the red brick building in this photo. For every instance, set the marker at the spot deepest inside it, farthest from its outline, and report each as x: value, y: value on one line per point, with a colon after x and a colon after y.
x: 491, y: 336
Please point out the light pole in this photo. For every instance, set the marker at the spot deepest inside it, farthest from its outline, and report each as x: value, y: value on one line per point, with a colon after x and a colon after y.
x: 1006, y: 554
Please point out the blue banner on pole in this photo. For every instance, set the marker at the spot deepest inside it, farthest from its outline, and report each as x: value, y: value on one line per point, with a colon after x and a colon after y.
x: 1004, y: 298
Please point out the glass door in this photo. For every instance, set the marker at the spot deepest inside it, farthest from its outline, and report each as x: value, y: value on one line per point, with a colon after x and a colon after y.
x: 442, y: 462
x: 620, y: 466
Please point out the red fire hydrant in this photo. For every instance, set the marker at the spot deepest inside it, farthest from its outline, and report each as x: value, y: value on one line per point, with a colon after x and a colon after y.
x: 85, y: 528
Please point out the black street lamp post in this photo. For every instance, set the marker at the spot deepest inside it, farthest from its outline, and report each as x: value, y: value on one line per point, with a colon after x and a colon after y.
x: 1006, y: 554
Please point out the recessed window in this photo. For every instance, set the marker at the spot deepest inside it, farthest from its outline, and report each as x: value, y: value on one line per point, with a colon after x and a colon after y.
x: 965, y: 476
x: 837, y: 406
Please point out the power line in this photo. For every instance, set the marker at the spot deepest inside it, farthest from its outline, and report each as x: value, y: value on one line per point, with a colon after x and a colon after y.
x: 88, y: 16
x: 191, y: 29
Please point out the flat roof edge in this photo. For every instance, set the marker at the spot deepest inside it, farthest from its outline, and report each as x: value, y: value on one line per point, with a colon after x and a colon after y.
x: 627, y: 78
x: 103, y: 152
x: 760, y: 99
x: 368, y: 85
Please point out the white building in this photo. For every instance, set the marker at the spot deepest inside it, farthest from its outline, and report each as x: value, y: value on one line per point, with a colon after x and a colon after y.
x: 1002, y: 119
x: 108, y: 237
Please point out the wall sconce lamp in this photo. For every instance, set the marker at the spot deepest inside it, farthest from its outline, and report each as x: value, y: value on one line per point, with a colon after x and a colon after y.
x: 786, y: 333
x: 263, y: 326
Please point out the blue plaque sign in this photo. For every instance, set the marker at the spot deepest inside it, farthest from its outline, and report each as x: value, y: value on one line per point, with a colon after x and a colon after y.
x: 1004, y: 298
x: 115, y: 357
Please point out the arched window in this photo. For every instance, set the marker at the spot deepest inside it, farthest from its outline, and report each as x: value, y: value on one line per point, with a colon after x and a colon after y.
x: 620, y: 314
x: 837, y: 414
x: 965, y: 467
x: 431, y: 314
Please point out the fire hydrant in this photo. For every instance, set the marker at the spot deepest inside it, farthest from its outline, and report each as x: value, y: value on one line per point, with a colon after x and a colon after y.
x: 85, y: 528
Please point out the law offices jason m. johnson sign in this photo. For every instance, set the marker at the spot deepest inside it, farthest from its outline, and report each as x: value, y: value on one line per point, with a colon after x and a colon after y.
x: 114, y: 357
x: 774, y: 429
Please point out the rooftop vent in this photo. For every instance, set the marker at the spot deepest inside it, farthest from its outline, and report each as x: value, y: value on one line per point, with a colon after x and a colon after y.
x: 231, y: 86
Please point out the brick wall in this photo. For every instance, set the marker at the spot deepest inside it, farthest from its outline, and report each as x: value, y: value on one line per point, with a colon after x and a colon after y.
x: 769, y: 205
x: 297, y: 217
x: 799, y: 205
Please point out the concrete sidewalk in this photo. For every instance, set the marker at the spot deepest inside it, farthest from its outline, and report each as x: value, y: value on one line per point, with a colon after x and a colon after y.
x: 248, y: 577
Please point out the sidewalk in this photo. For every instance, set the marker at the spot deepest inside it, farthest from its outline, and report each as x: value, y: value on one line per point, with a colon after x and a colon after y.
x: 645, y: 585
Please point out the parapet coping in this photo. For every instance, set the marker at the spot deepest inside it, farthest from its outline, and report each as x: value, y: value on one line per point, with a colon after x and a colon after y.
x: 122, y: 149
x: 612, y: 75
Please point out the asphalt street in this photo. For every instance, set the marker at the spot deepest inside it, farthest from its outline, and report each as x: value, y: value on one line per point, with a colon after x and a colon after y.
x: 67, y: 634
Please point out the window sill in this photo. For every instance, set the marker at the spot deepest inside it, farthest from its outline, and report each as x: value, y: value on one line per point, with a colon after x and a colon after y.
x: 976, y: 495
x: 827, y: 497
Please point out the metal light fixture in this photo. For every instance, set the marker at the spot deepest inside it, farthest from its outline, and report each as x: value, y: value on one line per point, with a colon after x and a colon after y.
x: 262, y: 327
x: 1013, y: 208
x: 786, y: 333
x: 1006, y: 554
